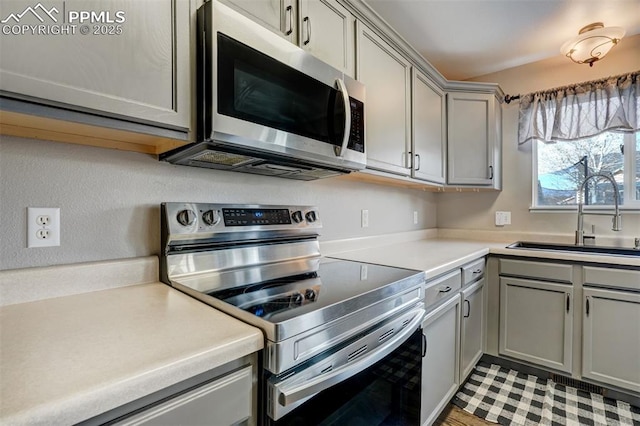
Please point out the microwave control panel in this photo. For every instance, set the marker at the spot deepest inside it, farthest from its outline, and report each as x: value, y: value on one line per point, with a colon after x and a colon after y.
x: 356, y: 138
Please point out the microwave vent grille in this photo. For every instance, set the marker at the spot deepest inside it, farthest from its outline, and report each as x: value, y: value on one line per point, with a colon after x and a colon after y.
x: 225, y: 158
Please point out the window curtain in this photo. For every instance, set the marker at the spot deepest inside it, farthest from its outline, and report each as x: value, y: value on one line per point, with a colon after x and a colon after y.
x: 582, y: 110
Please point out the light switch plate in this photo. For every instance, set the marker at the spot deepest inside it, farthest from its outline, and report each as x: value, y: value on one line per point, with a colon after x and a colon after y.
x: 503, y: 218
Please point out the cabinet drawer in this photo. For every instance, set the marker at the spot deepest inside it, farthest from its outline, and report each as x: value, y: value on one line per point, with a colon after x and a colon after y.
x: 607, y: 277
x: 472, y: 271
x: 543, y: 270
x: 228, y: 400
x: 441, y: 288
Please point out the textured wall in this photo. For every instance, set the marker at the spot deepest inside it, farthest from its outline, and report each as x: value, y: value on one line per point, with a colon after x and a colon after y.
x: 110, y: 199
x: 476, y: 210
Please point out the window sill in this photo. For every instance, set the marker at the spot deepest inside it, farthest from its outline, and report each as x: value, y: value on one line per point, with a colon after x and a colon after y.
x: 592, y: 209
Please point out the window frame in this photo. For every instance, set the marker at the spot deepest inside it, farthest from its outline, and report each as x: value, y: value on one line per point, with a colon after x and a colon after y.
x: 629, y: 204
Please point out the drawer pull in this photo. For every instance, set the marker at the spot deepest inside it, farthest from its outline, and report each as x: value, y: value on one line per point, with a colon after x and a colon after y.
x: 477, y: 271
x: 446, y: 289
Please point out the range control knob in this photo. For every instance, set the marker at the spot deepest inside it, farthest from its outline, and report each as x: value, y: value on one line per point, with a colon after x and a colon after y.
x: 310, y: 294
x: 297, y: 216
x: 297, y: 298
x: 311, y: 216
x: 186, y: 217
x: 211, y: 217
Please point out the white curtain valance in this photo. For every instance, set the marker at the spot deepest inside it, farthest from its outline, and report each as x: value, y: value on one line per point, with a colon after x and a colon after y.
x: 582, y: 110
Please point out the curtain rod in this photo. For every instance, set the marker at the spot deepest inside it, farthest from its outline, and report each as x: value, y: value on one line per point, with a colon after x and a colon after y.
x: 509, y: 98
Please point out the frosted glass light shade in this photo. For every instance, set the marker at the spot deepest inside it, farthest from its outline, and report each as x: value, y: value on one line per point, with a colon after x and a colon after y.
x: 592, y: 43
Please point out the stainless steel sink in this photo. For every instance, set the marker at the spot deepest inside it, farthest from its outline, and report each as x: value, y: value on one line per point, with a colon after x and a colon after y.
x: 614, y: 251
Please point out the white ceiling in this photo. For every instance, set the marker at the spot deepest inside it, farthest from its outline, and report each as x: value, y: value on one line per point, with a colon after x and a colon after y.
x: 469, y: 38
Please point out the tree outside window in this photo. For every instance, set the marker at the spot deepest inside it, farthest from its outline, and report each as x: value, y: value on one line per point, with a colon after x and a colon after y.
x: 562, y: 166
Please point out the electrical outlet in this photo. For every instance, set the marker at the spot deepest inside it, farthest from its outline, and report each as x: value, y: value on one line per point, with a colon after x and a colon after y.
x: 43, y: 227
x: 415, y: 217
x: 503, y: 218
x: 365, y: 218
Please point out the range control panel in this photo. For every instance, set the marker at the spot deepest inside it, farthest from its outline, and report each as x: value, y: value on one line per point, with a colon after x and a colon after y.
x: 253, y: 217
x: 195, y: 221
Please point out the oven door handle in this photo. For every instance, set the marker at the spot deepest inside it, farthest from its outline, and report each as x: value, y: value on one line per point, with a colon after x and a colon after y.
x: 289, y: 393
x: 342, y: 88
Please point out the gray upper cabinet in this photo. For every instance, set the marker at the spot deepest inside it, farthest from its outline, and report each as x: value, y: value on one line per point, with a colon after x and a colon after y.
x: 136, y: 68
x: 428, y: 129
x: 474, y: 129
x: 278, y: 16
x: 324, y: 28
x: 387, y: 77
x: 327, y: 31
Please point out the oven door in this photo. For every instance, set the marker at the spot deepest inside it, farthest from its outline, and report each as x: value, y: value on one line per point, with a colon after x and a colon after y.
x: 374, y: 380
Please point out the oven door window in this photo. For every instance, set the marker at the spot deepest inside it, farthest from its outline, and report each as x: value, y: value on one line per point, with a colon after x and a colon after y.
x: 387, y: 393
x: 257, y: 88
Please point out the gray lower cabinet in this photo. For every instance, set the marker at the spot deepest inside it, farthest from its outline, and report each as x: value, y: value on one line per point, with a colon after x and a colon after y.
x: 441, y: 329
x: 536, y: 322
x: 611, y: 337
x: 225, y: 395
x: 225, y: 401
x: 387, y: 77
x: 472, y: 328
x: 131, y: 60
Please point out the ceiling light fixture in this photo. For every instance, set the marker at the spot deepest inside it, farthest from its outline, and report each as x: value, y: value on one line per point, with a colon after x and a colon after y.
x: 592, y: 43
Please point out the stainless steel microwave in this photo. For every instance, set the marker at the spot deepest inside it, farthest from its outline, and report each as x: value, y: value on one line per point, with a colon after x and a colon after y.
x: 266, y: 106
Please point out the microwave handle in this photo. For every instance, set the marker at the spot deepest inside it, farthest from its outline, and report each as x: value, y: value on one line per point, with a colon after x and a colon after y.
x: 290, y: 393
x: 340, y: 150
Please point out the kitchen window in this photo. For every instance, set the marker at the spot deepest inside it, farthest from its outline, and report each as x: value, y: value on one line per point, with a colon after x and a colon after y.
x: 560, y: 167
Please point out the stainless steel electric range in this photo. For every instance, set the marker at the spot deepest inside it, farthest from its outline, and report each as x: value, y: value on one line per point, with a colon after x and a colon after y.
x: 339, y: 335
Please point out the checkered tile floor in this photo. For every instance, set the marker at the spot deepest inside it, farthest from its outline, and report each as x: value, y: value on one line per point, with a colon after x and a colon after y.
x: 508, y: 397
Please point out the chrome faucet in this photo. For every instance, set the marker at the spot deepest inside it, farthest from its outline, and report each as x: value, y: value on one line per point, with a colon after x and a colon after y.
x: 617, y: 219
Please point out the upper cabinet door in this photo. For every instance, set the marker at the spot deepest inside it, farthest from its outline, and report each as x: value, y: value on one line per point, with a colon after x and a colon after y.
x: 327, y: 30
x: 278, y: 16
x: 429, y: 130
x: 387, y: 77
x: 126, y: 59
x: 472, y: 137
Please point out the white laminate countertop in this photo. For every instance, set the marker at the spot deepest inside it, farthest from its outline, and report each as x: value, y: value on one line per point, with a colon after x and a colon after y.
x: 67, y: 359
x: 426, y: 252
x: 433, y: 256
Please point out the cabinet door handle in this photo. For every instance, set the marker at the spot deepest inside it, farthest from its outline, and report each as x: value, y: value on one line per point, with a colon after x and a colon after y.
x: 418, y: 162
x: 490, y: 172
x: 468, y: 304
x: 587, y: 306
x: 568, y: 302
x: 424, y: 345
x: 308, y: 21
x: 289, y: 10
x: 447, y: 289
